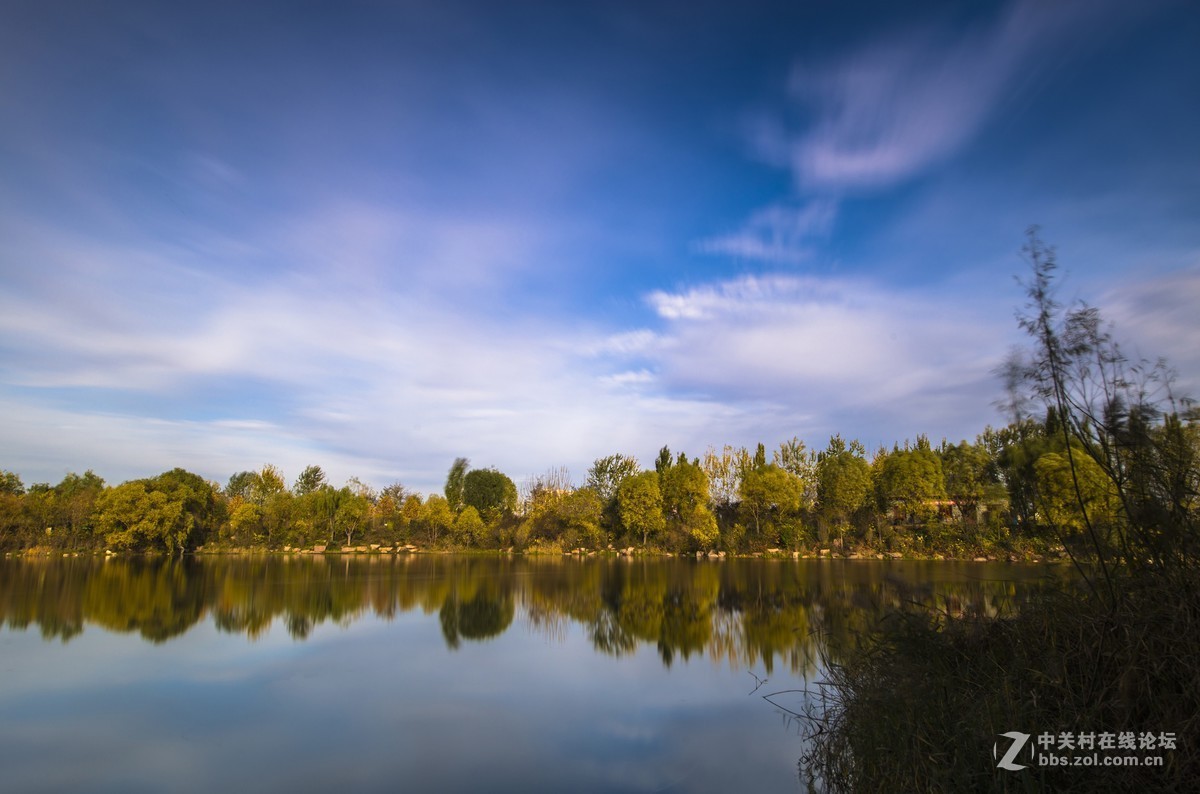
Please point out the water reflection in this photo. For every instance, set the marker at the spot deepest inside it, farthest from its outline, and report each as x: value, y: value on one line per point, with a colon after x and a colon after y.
x: 749, y: 613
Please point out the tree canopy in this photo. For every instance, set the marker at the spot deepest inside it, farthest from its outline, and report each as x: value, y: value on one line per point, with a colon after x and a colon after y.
x: 490, y: 492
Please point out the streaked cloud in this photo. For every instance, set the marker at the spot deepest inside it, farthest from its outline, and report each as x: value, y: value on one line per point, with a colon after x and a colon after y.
x: 383, y: 240
x: 342, y: 358
x: 887, y: 111
x: 806, y: 339
x: 777, y: 233
x: 1154, y: 316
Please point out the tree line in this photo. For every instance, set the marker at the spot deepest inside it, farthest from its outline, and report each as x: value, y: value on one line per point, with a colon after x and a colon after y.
x: 1014, y: 489
x: 1109, y: 468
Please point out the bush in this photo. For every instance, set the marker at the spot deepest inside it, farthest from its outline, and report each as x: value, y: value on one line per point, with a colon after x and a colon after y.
x: 920, y: 704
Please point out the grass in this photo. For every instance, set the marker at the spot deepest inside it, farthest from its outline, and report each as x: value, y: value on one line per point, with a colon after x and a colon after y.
x: 920, y: 703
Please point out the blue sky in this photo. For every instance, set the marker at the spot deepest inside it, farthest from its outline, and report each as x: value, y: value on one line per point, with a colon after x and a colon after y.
x: 377, y: 236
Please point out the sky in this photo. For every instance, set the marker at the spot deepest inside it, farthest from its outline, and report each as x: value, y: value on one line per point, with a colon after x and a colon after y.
x: 377, y: 236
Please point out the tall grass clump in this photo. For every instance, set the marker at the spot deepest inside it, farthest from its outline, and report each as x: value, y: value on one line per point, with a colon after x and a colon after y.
x: 921, y: 703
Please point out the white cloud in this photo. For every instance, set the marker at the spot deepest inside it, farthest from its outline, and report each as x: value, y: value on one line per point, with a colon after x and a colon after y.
x: 219, y: 373
x: 45, y: 442
x: 749, y: 294
x: 892, y: 110
x: 1155, y: 315
x: 828, y: 348
x: 409, y: 249
x: 133, y: 361
x: 777, y: 233
x: 384, y: 339
x: 898, y: 106
x: 626, y: 343
x: 631, y: 377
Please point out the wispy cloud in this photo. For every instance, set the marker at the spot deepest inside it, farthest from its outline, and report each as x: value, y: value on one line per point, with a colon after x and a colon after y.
x: 890, y: 110
x: 367, y: 377
x: 883, y: 114
x: 409, y: 249
x: 778, y: 233
x: 830, y: 348
x: 380, y: 258
x: 749, y: 295
x: 350, y: 356
x: 1155, y: 316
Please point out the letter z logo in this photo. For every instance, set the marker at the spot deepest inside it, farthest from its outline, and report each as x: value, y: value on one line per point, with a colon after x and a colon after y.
x: 1018, y: 741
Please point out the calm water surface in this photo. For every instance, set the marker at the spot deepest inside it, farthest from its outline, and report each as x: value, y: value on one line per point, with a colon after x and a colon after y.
x: 433, y: 673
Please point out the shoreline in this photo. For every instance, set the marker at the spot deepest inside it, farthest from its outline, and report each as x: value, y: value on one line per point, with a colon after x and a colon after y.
x: 1055, y: 557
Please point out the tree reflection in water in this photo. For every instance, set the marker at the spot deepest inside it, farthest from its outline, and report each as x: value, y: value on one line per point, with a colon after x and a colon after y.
x: 749, y: 613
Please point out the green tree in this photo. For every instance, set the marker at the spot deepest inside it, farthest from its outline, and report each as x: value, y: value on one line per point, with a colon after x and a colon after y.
x: 843, y: 481
x: 490, y: 492
x: 277, y: 516
x: 436, y: 518
x: 396, y: 492
x: 266, y: 485
x: 411, y: 511
x: 663, y: 461
x: 1125, y: 418
x: 202, y: 510
x: 469, y: 528
x: 243, y: 522
x: 13, y: 529
x: 266, y: 492
x: 701, y: 526
x: 1014, y: 449
x: 724, y: 471
x: 910, y: 480
x: 569, y: 517
x: 38, y: 504
x: 74, y: 505
x: 1072, y: 497
x: 312, y: 478
x: 684, y: 486
x: 10, y: 483
x: 970, y: 477
x: 456, y: 482
x: 135, y: 516
x: 386, y: 518
x: 768, y: 493
x: 353, y: 511
x: 241, y: 484
x: 581, y: 512
x: 323, y: 505
x: 605, y: 478
x: 606, y: 475
x: 394, y: 515
x: 639, y: 503
x: 794, y: 458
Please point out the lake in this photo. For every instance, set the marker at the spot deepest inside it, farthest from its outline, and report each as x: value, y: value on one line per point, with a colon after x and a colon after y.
x: 435, y: 672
